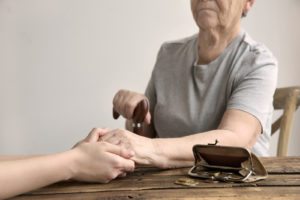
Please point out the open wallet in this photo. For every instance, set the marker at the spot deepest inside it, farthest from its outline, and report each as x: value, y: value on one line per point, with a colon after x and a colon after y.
x: 226, y: 164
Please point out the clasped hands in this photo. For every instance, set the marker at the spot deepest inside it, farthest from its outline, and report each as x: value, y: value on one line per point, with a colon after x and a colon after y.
x: 113, y: 153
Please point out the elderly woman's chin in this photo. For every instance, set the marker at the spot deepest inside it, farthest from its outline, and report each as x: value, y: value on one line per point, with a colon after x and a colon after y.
x: 207, y: 23
x: 206, y: 19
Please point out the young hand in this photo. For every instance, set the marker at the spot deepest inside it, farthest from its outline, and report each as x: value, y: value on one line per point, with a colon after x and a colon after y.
x: 100, y: 161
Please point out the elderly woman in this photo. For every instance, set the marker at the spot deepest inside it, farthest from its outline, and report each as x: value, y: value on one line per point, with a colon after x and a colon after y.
x: 216, y: 85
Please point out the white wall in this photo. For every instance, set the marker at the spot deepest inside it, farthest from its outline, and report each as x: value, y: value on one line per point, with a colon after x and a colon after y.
x: 61, y: 61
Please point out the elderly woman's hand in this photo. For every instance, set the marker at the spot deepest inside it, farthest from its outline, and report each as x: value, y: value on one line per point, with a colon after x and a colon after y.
x: 144, y: 148
x: 126, y: 101
x: 100, y: 162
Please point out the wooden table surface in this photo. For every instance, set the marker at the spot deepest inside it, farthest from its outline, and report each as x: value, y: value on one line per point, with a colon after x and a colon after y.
x: 149, y: 183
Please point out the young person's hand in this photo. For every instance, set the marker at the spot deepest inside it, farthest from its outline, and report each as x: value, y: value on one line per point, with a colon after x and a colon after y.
x: 90, y: 160
x: 99, y: 161
x: 93, y: 136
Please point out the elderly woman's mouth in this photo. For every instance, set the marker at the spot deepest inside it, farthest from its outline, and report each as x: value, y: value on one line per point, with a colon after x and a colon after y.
x: 206, y: 9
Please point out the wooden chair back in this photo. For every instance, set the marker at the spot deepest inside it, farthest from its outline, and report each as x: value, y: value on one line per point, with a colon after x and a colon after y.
x: 288, y: 100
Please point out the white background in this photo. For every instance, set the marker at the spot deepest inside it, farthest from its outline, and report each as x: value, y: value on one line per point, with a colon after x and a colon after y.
x: 61, y: 61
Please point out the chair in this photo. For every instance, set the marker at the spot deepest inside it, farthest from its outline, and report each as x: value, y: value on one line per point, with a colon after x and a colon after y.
x: 288, y: 100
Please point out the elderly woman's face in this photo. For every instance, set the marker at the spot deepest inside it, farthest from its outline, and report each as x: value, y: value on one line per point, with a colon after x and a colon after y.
x: 217, y: 13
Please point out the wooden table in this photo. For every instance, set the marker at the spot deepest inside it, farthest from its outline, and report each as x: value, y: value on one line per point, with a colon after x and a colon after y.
x: 148, y: 183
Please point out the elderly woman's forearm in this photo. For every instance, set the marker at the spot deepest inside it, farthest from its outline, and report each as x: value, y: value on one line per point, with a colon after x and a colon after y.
x: 177, y: 152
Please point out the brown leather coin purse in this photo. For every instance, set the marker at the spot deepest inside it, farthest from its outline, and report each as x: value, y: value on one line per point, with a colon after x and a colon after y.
x: 227, y: 164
